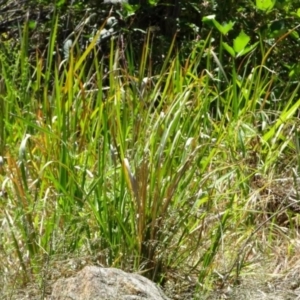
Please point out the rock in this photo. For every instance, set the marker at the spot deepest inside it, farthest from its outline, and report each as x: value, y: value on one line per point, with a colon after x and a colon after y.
x: 95, y: 283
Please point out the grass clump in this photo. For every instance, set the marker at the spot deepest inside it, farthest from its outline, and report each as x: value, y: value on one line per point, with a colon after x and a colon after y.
x: 160, y: 172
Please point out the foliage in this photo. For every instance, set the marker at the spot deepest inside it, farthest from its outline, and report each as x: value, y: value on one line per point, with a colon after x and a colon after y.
x: 146, y: 156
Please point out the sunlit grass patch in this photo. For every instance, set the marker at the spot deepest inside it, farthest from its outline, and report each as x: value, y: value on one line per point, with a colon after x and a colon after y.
x: 161, y: 173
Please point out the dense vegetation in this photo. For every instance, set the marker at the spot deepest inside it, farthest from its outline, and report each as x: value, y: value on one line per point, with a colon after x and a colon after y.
x: 156, y: 136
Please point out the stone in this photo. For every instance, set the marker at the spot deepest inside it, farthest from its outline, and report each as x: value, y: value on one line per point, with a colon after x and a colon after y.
x: 96, y: 283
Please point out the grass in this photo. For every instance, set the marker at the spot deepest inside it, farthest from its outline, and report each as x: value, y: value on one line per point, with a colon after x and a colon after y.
x: 156, y: 171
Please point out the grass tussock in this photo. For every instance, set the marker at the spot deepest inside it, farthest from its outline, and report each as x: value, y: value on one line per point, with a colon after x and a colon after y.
x: 180, y: 174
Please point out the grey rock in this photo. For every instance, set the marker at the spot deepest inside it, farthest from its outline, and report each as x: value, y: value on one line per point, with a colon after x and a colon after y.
x: 95, y: 283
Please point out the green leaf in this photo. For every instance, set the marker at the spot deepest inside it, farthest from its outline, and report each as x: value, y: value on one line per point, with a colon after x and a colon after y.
x: 229, y: 49
x: 295, y: 35
x: 32, y: 24
x: 129, y: 9
x: 208, y: 19
x: 60, y: 3
x: 298, y: 12
x: 224, y: 29
x: 265, y: 4
x: 240, y: 42
x: 247, y: 50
